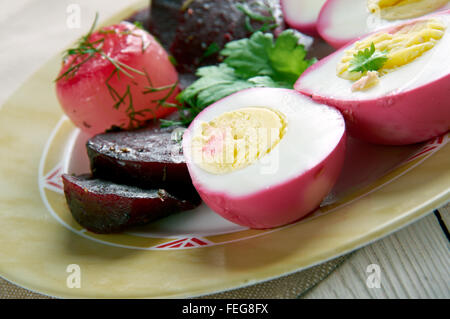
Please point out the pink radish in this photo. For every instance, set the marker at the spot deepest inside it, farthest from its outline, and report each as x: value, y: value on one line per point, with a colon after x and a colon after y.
x: 119, y: 76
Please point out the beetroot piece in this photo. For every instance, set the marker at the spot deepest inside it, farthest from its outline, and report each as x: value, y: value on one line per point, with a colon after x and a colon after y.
x: 194, y: 31
x: 142, y: 17
x: 163, y: 20
x: 148, y: 158
x: 104, y: 207
x: 205, y: 26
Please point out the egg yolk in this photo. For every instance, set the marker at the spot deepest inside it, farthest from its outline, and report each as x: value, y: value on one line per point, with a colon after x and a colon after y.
x: 401, y: 46
x: 403, y: 9
x: 236, y: 139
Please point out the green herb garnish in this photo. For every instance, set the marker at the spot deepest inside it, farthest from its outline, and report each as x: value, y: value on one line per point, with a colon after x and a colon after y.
x: 213, y: 48
x: 139, y: 25
x: 173, y: 60
x: 87, y: 49
x: 269, y: 21
x: 368, y: 60
x: 215, y: 82
x: 258, y: 61
x: 283, y: 60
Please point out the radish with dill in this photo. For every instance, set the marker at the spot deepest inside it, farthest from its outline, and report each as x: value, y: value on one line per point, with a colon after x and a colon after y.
x: 116, y: 77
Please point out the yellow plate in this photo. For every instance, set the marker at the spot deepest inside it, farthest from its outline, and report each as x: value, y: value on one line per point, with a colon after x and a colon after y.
x: 381, y: 189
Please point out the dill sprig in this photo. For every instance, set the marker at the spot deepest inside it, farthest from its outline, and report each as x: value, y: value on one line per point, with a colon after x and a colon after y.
x: 152, y: 89
x: 86, y: 49
x: 269, y: 21
x: 127, y: 99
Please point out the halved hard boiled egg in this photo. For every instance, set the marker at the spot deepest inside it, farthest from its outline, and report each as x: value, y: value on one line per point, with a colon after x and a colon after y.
x: 302, y: 14
x: 392, y: 86
x: 341, y: 21
x: 265, y: 157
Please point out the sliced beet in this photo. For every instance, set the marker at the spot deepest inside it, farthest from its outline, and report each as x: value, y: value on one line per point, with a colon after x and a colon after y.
x: 105, y: 207
x: 148, y: 158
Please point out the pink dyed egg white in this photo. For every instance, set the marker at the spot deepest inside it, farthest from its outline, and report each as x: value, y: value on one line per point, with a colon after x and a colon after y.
x: 285, y: 184
x: 302, y: 14
x: 409, y: 105
x: 342, y: 21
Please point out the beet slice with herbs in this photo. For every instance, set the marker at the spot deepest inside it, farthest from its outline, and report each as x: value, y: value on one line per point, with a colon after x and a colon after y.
x: 104, y: 207
x: 205, y: 26
x: 148, y: 158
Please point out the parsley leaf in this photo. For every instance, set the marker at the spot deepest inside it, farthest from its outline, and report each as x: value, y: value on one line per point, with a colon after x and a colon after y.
x: 249, y: 57
x: 213, y: 48
x: 283, y: 60
x: 138, y: 25
x: 368, y: 60
x: 215, y: 83
x: 258, y: 61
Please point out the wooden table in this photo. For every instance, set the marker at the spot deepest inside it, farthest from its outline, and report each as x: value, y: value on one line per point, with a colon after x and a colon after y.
x: 414, y: 262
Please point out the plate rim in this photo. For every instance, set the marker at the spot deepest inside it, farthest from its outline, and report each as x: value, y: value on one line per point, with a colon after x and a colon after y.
x: 404, y: 221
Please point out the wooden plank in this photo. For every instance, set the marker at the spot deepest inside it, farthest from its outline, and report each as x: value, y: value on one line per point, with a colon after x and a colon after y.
x: 414, y: 263
x: 445, y: 215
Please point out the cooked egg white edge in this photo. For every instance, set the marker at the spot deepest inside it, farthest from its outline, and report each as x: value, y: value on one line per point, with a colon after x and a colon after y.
x: 347, y: 21
x: 353, y: 19
x: 313, y: 131
x: 306, y: 11
x: 432, y: 65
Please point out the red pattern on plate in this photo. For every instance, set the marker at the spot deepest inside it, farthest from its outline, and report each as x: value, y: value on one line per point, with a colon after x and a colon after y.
x: 184, y: 243
x: 433, y: 144
x: 53, y: 180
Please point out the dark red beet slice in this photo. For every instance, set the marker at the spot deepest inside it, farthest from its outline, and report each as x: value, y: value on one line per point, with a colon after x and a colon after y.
x: 148, y: 158
x: 194, y: 31
x: 104, y: 207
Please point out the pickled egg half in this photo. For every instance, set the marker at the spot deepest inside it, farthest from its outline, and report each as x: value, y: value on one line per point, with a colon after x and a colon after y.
x: 407, y: 100
x: 342, y: 21
x: 302, y: 14
x: 265, y: 157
